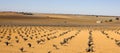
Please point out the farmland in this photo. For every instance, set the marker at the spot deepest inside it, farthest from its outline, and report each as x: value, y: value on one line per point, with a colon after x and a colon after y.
x: 48, y: 39
x: 33, y: 34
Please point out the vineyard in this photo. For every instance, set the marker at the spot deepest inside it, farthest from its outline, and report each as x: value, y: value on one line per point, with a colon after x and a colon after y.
x: 59, y: 39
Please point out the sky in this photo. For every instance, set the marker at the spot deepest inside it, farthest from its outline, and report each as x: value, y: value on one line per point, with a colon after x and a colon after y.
x: 90, y: 7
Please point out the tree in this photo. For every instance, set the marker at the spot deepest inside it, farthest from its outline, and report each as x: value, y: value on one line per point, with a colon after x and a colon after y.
x: 96, y: 16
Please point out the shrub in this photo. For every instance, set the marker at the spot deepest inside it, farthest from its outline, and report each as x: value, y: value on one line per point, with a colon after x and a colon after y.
x: 117, y: 18
x: 106, y: 21
x: 110, y: 20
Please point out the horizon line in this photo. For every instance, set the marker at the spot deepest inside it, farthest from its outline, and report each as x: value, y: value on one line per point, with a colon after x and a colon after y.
x: 65, y: 13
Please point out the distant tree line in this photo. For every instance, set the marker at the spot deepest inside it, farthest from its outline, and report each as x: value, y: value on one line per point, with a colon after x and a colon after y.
x: 24, y: 13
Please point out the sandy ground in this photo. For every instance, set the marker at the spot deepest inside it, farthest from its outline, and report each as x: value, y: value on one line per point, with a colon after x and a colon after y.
x: 47, y: 39
x: 55, y: 19
x: 58, y: 33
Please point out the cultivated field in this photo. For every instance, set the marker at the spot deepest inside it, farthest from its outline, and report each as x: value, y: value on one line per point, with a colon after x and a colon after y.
x: 51, y: 33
